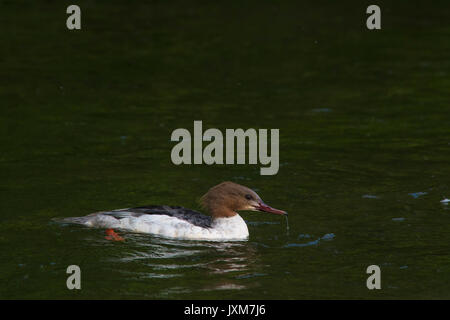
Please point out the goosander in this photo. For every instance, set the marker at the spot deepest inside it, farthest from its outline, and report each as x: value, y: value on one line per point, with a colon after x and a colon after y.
x: 221, y: 201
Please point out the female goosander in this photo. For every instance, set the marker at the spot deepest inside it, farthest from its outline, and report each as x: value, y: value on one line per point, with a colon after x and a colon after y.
x: 222, y: 202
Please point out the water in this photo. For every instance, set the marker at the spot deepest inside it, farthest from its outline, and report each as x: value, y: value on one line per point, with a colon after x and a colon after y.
x: 287, y: 225
x: 364, y: 146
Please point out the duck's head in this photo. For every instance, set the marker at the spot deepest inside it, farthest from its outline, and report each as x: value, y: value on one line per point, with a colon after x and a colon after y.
x: 226, y: 198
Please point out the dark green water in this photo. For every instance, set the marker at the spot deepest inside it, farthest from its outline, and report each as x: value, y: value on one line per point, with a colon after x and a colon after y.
x: 85, y: 125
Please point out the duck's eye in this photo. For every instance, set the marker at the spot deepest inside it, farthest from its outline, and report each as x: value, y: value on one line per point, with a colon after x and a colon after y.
x: 248, y: 197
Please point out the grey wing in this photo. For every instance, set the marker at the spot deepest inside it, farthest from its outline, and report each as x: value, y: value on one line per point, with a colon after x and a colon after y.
x: 191, y: 216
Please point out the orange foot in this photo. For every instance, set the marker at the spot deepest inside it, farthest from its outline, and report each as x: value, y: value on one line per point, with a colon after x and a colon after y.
x: 111, y: 235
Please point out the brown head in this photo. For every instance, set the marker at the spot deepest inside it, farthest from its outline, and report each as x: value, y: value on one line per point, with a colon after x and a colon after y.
x: 226, y: 198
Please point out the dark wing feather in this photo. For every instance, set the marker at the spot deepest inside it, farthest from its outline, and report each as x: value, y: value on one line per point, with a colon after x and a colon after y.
x: 193, y: 217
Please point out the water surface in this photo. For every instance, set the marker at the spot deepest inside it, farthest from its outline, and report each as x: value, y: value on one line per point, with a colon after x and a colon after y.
x: 364, y: 146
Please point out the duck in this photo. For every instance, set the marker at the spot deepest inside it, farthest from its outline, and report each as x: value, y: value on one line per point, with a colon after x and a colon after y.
x: 222, y: 202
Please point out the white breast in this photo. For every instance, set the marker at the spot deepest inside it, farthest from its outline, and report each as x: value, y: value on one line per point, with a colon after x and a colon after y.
x: 233, y: 228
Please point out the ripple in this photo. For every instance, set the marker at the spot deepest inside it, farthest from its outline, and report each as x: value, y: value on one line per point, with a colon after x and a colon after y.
x: 173, y: 266
x: 162, y: 258
x: 149, y: 275
x: 229, y: 264
x: 326, y: 237
x: 226, y: 286
x: 159, y: 276
x: 172, y: 291
x: 161, y: 254
x: 311, y: 243
x: 229, y: 268
x: 370, y: 196
x: 416, y: 195
x: 251, y: 275
x: 260, y: 223
x: 321, y: 110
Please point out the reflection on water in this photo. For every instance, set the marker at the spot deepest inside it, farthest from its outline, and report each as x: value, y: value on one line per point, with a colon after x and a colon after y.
x: 171, y: 258
x: 227, y: 265
x: 416, y: 195
x: 225, y: 286
x: 327, y: 237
